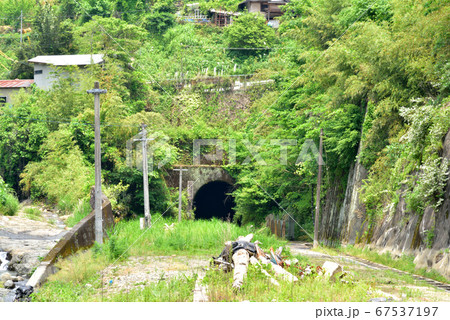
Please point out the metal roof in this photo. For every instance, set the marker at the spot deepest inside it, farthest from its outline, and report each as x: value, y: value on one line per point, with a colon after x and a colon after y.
x: 69, y: 60
x: 16, y: 83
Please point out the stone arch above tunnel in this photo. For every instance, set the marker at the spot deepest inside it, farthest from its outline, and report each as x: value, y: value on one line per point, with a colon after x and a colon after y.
x: 200, y: 175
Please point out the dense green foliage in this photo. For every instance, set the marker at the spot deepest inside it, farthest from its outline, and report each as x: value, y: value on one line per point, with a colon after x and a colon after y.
x: 8, y: 202
x: 250, y: 31
x: 373, y: 76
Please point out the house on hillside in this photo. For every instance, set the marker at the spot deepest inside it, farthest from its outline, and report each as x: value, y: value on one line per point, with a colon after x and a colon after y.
x: 222, y: 18
x: 193, y: 14
x: 45, y: 66
x: 10, y: 87
x: 269, y: 8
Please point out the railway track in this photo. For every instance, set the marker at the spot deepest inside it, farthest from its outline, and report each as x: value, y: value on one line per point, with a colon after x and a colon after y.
x: 306, y: 249
x: 437, y: 284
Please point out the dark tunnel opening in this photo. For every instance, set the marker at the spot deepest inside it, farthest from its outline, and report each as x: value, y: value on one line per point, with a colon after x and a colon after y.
x: 213, y: 200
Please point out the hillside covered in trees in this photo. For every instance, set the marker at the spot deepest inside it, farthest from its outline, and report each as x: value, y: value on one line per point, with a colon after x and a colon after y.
x: 374, y: 75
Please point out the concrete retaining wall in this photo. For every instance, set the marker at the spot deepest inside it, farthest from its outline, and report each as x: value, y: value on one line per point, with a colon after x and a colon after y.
x: 81, y: 236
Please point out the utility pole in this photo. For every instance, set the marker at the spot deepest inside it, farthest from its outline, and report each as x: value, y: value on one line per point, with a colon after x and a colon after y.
x: 319, y: 183
x: 147, y: 216
x: 21, y: 25
x: 190, y: 191
x: 98, y: 165
x: 180, y: 187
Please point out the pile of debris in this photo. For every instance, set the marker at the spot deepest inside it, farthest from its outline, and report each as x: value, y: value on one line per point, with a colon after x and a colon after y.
x: 239, y: 254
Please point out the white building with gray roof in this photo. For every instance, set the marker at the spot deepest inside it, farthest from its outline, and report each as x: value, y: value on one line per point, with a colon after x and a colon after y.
x: 45, y: 66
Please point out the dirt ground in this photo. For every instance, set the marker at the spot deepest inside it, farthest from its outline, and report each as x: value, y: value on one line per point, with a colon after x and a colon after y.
x: 136, y: 272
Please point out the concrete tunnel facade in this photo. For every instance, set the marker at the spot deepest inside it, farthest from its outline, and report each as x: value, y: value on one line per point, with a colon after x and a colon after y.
x: 208, y: 190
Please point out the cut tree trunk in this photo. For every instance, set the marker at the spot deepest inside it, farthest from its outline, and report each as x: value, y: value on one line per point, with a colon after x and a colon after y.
x: 240, y: 259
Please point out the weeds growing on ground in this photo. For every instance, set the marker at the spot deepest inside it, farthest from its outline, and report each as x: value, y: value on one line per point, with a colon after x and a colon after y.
x: 79, y: 277
x: 173, y: 290
x: 257, y: 287
x: 82, y: 209
x: 33, y: 213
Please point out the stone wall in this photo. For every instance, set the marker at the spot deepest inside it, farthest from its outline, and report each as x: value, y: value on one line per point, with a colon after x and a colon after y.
x: 200, y: 175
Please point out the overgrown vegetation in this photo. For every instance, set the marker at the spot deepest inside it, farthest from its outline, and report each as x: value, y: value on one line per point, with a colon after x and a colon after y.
x: 9, y: 205
x: 33, y: 213
x: 188, y: 236
x: 202, y: 238
x: 345, y: 66
x: 257, y: 287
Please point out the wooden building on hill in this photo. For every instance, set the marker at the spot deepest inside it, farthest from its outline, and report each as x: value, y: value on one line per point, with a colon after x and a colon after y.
x: 269, y: 8
x: 223, y: 18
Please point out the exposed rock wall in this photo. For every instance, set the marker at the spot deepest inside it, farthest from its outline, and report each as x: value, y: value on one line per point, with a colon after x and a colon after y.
x: 399, y: 231
x: 343, y: 217
x: 332, y: 222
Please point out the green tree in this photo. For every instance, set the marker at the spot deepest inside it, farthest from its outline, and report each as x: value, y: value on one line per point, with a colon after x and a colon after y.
x: 160, y: 18
x: 12, y: 9
x: 250, y: 31
x: 51, y: 36
x: 22, y: 130
x: 63, y: 175
x: 92, y: 8
x: 114, y: 37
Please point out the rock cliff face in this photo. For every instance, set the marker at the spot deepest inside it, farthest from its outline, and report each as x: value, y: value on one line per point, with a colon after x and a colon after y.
x: 400, y: 231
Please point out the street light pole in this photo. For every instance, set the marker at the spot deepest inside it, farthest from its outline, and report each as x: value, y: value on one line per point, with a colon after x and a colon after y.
x: 98, y: 165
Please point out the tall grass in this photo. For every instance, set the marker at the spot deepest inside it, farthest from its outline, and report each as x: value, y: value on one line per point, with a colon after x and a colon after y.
x: 9, y: 205
x: 188, y: 236
x: 174, y: 290
x: 69, y: 283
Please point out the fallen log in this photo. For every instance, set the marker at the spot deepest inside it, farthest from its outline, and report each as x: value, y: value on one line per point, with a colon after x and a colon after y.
x: 279, y: 271
x: 255, y: 261
x: 240, y: 259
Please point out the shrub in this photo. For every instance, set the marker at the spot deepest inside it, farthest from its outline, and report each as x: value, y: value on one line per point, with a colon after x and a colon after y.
x: 9, y: 205
x: 63, y: 176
